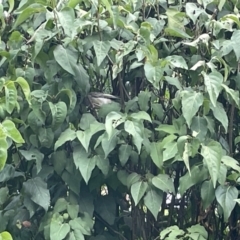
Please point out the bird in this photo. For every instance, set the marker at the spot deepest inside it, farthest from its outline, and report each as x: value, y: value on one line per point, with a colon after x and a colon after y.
x: 98, y: 99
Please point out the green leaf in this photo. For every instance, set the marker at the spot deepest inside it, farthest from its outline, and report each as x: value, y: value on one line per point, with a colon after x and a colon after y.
x: 177, y: 61
x: 63, y: 58
x: 124, y: 153
x: 76, y: 234
x: 174, y: 81
x: 67, y: 135
x: 212, y: 154
x: 4, y: 194
x: 157, y: 154
x: 135, y: 129
x: 176, y: 32
x: 46, y: 137
x: 84, y: 224
x: 220, y: 114
x: 233, y: 94
x: 60, y: 205
x: 170, y: 129
x: 6, y: 236
x: 102, y: 163
x: 37, y: 190
x: 101, y: 50
x: 213, y: 83
x: 28, y: 12
x: 199, y: 128
x: 164, y: 182
x: 83, y: 162
x: 66, y: 18
x: 3, y: 152
x: 113, y: 120
x: 141, y: 116
x: 193, y: 11
x: 25, y: 88
x: 153, y: 201
x: 73, y: 3
x: 200, y: 230
x: 222, y: 174
x: 11, y: 96
x: 11, y: 131
x: 170, y: 150
x: 231, y: 162
x: 138, y: 189
x: 58, y: 230
x: 33, y: 154
x: 109, y: 144
x: 85, y: 136
x: 198, y: 174
x: 154, y: 73
x: 143, y: 100
x: 59, y: 113
x: 132, y: 178
x: 226, y: 196
x: 191, y: 101
x: 235, y: 43
x: 207, y: 194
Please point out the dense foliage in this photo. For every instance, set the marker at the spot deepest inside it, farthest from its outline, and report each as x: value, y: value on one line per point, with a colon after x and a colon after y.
x: 159, y: 162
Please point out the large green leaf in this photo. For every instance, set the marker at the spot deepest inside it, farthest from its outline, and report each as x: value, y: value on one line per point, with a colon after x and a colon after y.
x: 63, y: 58
x: 220, y: 114
x: 213, y: 83
x: 199, y: 127
x: 177, y: 61
x: 124, y: 153
x: 11, y: 96
x: 157, y: 154
x: 33, y: 154
x: 25, y: 88
x: 58, y: 229
x: 141, y: 115
x: 28, y: 12
x: 83, y: 162
x: 198, y: 174
x: 153, y: 201
x: 164, y: 182
x: 193, y: 11
x: 101, y: 49
x: 59, y: 113
x: 11, y: 131
x: 67, y: 135
x: 226, y: 196
x: 138, y: 189
x: 136, y: 130
x: 154, y: 73
x: 5, y: 236
x: 66, y: 18
x: 231, y: 162
x: 212, y: 154
x: 85, y: 136
x: 3, y: 152
x: 37, y: 190
x: 109, y: 144
x: 191, y: 101
x: 113, y: 119
x: 207, y: 193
